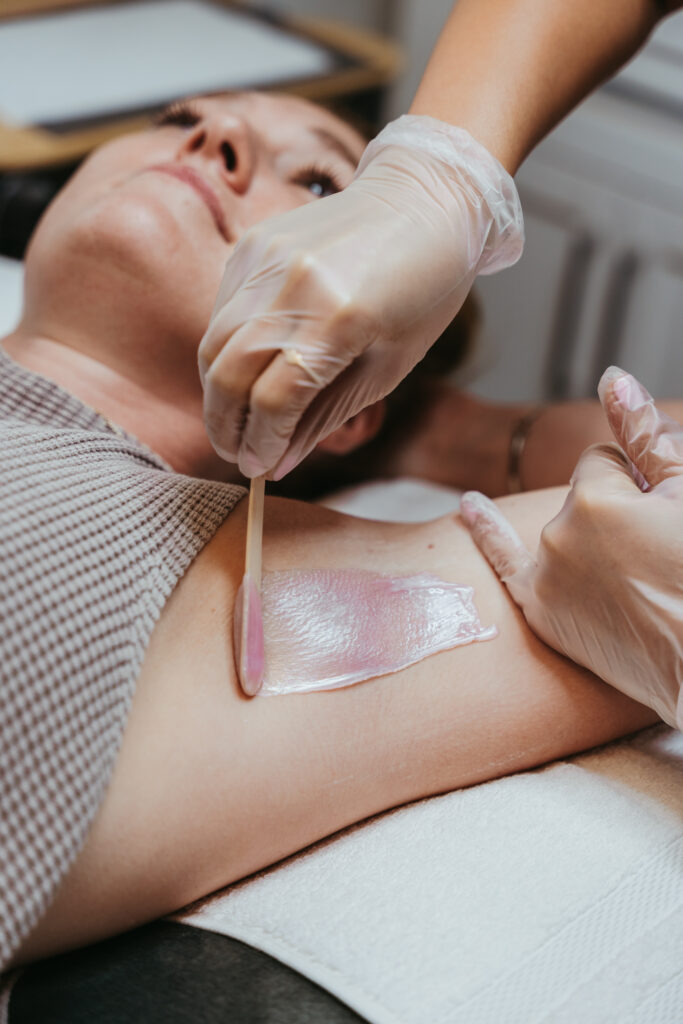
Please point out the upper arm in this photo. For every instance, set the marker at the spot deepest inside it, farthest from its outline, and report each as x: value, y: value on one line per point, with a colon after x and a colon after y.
x: 210, y: 786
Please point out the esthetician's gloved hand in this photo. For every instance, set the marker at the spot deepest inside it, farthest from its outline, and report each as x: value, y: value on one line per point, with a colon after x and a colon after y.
x: 606, y: 585
x: 325, y: 309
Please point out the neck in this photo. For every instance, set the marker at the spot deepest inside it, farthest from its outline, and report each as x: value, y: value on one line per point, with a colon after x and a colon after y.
x: 166, y: 415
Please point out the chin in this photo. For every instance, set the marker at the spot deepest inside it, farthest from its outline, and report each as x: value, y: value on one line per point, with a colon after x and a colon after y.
x: 137, y: 236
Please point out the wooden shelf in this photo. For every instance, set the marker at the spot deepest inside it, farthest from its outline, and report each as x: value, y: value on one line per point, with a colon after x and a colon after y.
x: 373, y: 62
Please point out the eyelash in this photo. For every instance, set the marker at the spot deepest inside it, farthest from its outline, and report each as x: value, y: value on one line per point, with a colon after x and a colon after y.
x: 323, y: 175
x: 181, y: 115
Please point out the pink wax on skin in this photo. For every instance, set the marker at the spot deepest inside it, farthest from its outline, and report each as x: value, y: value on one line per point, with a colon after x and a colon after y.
x: 327, y: 628
x: 248, y: 635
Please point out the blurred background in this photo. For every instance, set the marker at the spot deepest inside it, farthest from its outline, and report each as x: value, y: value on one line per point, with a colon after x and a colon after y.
x: 600, y: 280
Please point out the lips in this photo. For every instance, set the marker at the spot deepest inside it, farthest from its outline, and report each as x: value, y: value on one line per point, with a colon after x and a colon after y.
x: 183, y: 172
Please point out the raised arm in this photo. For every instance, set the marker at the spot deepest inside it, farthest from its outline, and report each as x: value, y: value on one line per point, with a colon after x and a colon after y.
x: 509, y: 70
x: 211, y: 786
x: 462, y: 441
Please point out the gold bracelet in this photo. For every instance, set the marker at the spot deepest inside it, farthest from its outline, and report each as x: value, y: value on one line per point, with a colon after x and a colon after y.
x: 518, y: 440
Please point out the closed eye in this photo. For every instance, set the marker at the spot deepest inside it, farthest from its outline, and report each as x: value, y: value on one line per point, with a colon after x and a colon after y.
x: 181, y: 115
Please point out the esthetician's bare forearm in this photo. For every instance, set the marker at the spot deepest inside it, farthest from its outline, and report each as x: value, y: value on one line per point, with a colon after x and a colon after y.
x: 210, y: 787
x: 509, y: 70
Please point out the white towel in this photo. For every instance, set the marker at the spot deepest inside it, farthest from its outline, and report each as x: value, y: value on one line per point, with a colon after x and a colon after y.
x: 553, y: 895
x: 405, y: 500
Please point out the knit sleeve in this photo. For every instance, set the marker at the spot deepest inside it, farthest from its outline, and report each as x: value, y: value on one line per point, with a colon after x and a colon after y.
x: 95, y: 532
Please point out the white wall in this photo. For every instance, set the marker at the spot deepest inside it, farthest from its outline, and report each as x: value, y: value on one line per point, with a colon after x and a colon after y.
x: 373, y: 14
x: 601, y: 279
x: 414, y: 24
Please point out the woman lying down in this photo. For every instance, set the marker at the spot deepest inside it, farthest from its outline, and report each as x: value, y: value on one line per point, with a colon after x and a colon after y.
x: 135, y: 775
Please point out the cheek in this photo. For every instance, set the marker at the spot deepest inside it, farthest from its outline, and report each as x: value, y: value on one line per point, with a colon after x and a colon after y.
x: 268, y: 199
x: 142, y: 227
x: 96, y: 177
x: 124, y: 156
x: 106, y: 224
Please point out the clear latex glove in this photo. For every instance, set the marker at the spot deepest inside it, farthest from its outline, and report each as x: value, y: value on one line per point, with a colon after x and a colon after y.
x: 606, y: 586
x: 325, y: 309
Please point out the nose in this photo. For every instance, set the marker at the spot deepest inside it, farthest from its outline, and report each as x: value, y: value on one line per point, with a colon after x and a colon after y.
x: 224, y: 139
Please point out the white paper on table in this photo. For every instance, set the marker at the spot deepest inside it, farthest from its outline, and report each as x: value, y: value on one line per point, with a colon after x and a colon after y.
x: 79, y: 64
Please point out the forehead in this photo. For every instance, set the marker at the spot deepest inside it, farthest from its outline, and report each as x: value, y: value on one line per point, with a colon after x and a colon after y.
x: 281, y: 118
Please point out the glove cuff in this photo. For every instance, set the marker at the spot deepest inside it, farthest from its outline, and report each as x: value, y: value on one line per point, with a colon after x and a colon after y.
x: 462, y: 154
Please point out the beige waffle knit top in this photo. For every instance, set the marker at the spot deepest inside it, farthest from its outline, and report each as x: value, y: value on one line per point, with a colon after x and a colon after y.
x: 95, y: 532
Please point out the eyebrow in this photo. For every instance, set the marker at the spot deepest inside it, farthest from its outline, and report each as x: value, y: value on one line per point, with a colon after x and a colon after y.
x: 332, y: 140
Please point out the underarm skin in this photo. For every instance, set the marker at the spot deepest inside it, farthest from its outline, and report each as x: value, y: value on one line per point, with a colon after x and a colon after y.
x: 210, y: 786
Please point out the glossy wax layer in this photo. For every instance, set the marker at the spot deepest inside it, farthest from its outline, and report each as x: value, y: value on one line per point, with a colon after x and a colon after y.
x: 248, y: 636
x: 328, y: 628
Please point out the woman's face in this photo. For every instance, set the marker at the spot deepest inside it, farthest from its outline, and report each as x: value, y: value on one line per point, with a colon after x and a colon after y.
x: 146, y: 225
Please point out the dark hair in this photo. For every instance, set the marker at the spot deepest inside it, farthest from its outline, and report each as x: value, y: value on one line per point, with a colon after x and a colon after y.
x: 326, y: 472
